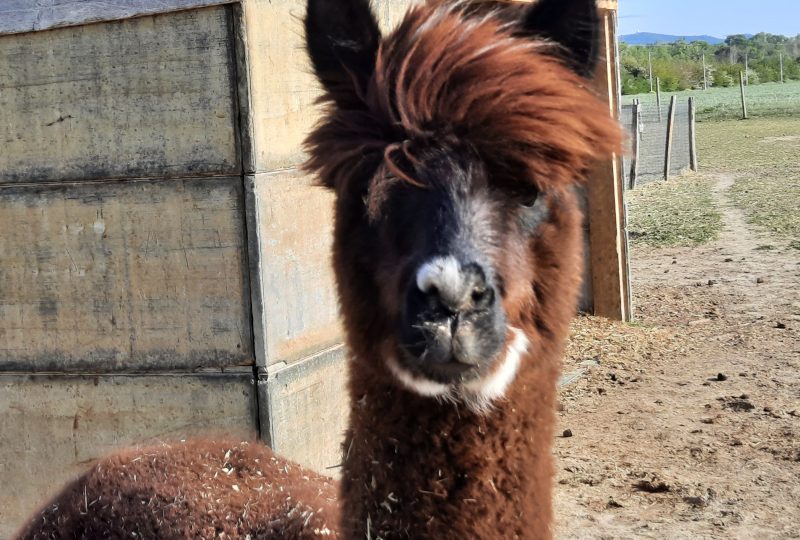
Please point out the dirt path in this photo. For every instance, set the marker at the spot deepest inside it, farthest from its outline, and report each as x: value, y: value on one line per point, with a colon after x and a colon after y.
x: 703, y: 439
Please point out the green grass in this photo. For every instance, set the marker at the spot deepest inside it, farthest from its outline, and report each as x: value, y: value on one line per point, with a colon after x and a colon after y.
x: 763, y: 100
x: 680, y: 212
x: 764, y: 154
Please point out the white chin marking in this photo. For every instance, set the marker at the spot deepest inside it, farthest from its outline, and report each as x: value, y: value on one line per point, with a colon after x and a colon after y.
x: 494, y: 386
x: 479, y: 394
x: 420, y: 385
x: 442, y: 272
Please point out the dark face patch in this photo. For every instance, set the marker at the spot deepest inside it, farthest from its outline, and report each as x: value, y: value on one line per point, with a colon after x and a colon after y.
x: 447, y: 207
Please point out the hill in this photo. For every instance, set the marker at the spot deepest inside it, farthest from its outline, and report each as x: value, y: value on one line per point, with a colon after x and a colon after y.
x: 647, y: 38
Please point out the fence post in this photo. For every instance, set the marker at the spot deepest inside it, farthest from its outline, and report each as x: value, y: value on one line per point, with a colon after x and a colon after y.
x: 744, y: 99
x: 635, y: 150
x: 692, y: 136
x: 670, y: 125
x: 705, y: 74
x: 658, y: 97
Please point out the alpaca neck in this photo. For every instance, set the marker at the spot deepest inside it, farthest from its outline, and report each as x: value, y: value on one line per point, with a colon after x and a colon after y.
x: 418, y: 468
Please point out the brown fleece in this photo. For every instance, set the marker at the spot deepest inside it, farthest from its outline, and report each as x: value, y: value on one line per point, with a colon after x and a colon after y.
x: 414, y: 467
x: 186, y: 490
x: 443, y: 72
x: 417, y: 468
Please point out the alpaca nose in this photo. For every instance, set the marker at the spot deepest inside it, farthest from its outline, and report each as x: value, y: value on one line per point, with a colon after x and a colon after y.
x: 455, y: 287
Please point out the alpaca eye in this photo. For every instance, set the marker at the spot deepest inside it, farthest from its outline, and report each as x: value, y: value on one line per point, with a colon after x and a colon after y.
x: 525, y: 197
x: 529, y: 201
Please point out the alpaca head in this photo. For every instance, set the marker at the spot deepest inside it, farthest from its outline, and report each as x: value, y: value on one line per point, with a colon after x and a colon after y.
x: 452, y: 144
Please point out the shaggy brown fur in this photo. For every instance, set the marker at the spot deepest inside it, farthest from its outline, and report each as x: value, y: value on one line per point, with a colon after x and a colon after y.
x: 420, y: 469
x: 195, y: 489
x: 416, y: 468
x: 441, y: 73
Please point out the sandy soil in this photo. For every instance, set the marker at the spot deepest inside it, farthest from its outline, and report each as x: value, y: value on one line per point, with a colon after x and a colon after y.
x: 697, y: 435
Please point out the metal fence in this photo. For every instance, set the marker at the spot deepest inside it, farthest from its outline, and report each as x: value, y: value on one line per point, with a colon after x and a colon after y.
x: 662, y: 139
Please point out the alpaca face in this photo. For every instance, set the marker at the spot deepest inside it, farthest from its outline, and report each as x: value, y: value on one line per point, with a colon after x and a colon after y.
x: 450, y: 144
x: 452, y: 241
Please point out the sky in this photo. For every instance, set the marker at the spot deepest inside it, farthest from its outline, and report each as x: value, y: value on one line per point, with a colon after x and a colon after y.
x: 719, y: 18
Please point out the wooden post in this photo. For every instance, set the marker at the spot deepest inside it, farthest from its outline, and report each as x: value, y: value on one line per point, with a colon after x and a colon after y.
x: 744, y: 99
x: 705, y: 73
x: 608, y: 249
x: 635, y: 124
x: 781, y: 58
x: 650, y: 63
x: 670, y: 125
x: 658, y: 98
x: 747, y: 68
x: 692, y: 136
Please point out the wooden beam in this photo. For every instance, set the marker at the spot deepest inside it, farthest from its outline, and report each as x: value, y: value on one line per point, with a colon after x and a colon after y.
x: 636, y: 117
x: 608, y: 253
x: 124, y: 276
x: 744, y: 97
x: 692, y: 135
x: 670, y: 135
x: 144, y: 98
x: 18, y: 17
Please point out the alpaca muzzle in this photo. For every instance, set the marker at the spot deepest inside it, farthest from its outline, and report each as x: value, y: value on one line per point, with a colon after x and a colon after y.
x: 453, y: 325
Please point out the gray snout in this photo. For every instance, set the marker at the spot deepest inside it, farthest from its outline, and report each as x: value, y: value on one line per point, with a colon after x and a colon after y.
x: 453, y: 324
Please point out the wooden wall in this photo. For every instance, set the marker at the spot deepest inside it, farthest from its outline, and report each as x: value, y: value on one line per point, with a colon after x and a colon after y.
x: 124, y: 283
x: 164, y: 265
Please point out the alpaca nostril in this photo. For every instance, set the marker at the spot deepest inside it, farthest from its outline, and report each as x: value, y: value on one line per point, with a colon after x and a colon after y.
x: 479, y: 295
x: 448, y: 286
x: 482, y: 297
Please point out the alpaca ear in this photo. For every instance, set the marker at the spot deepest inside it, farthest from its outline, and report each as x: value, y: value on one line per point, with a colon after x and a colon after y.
x: 572, y: 24
x: 342, y: 38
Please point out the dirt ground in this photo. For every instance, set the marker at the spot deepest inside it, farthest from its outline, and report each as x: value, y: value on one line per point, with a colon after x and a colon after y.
x: 693, y: 431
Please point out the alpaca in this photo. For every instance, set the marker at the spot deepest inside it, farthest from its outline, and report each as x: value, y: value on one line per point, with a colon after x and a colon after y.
x: 453, y: 145
x: 192, y: 489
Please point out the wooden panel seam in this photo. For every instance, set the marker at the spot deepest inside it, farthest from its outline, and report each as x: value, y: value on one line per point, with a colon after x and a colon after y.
x: 62, y: 14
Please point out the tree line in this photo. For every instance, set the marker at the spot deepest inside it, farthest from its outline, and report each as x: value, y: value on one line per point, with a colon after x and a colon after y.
x: 679, y: 65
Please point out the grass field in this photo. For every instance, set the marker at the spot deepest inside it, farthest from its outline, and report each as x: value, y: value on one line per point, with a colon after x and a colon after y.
x: 763, y: 100
x: 764, y: 156
x: 680, y: 212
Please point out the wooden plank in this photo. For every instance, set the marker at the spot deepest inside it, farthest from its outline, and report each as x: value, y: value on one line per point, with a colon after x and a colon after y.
x: 305, y: 409
x: 123, y: 276
x: 670, y: 136
x: 282, y: 87
x: 54, y: 426
x: 141, y: 98
x: 636, y: 116
x: 744, y: 97
x: 294, y: 227
x: 17, y: 16
x: 693, y: 135
x: 606, y: 209
x: 658, y: 98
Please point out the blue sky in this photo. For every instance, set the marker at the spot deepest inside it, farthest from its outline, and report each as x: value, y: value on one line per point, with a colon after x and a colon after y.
x: 718, y: 18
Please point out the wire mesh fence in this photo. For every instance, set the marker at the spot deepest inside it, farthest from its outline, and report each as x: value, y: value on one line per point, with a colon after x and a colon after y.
x: 662, y: 140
